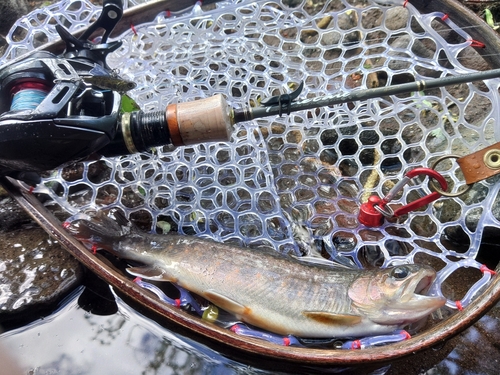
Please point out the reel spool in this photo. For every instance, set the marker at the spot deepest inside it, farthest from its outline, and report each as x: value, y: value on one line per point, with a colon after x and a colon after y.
x: 28, y: 95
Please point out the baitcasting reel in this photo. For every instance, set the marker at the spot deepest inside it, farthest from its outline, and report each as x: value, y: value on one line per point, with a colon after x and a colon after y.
x: 55, y: 110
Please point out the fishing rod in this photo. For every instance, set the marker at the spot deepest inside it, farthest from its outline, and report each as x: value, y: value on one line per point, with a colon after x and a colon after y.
x: 59, y: 109
x: 286, y: 102
x: 212, y: 118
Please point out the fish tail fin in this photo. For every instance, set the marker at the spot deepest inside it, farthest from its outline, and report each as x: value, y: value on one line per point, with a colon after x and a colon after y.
x: 96, y: 228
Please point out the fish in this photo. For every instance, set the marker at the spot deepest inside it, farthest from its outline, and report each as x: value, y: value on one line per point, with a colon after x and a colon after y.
x: 266, y: 289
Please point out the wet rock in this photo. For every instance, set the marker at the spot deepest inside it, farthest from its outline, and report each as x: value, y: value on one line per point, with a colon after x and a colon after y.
x: 35, y: 273
x: 403, y: 43
x: 10, y: 11
x: 397, y: 18
x: 12, y: 216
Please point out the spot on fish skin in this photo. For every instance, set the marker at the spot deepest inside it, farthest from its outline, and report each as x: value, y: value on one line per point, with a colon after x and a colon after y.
x: 332, y: 319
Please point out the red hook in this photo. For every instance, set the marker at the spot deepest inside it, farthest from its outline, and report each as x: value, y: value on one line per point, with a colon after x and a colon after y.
x: 372, y: 212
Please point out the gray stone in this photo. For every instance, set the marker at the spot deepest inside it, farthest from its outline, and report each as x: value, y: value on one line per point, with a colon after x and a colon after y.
x: 397, y: 18
x: 11, y: 11
x: 406, y: 42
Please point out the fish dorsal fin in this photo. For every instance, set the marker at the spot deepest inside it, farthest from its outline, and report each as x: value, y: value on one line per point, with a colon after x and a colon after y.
x: 332, y: 318
x: 226, y: 303
x: 150, y: 273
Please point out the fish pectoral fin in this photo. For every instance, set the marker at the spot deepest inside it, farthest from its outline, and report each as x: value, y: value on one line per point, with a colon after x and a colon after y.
x: 332, y: 318
x: 150, y: 273
x: 226, y: 303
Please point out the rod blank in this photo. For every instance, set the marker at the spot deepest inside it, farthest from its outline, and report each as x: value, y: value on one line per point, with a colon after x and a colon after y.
x: 247, y: 114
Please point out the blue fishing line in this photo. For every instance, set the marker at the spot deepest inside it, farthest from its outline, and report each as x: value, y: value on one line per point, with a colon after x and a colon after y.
x: 27, y: 99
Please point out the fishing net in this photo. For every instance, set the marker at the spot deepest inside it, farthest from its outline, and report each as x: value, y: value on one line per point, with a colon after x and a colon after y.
x: 295, y: 183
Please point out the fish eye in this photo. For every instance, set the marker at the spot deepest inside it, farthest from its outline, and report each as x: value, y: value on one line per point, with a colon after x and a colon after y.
x: 400, y: 272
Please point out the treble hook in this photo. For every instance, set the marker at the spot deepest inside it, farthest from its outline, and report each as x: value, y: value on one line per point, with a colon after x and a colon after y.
x: 283, y: 99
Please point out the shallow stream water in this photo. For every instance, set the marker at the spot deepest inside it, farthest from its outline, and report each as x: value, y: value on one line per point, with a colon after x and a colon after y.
x: 74, y: 341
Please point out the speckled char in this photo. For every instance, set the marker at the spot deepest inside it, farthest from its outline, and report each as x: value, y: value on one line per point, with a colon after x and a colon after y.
x: 271, y: 291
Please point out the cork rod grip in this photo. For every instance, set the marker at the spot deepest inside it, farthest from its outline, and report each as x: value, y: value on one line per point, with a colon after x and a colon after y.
x: 199, y: 121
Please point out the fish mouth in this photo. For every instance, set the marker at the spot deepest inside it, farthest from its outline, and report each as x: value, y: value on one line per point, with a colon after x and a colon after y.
x: 406, y: 301
x: 418, y: 289
x: 423, y: 285
x: 413, y: 304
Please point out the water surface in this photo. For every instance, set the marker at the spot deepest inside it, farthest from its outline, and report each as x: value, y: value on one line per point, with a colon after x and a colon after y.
x: 73, y: 341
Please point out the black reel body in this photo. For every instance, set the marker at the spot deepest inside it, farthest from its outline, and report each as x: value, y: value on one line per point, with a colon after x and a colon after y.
x: 55, y: 110
x: 51, y: 115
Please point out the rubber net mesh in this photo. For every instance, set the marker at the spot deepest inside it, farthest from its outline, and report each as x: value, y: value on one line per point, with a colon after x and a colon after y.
x: 295, y: 182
